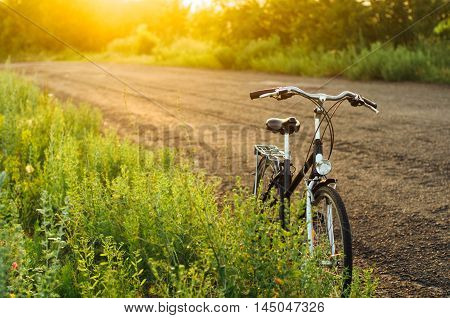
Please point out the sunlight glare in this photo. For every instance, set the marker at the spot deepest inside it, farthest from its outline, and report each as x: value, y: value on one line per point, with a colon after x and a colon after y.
x: 195, y: 4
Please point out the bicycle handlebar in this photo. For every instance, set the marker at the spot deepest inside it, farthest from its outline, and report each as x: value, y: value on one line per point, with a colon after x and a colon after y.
x: 258, y: 94
x: 281, y: 93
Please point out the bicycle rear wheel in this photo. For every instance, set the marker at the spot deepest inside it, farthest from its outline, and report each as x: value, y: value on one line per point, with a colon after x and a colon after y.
x: 265, y: 182
x: 332, y: 233
x: 267, y: 186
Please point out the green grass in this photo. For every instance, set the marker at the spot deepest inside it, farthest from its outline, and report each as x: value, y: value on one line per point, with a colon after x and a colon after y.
x: 427, y: 62
x: 86, y: 214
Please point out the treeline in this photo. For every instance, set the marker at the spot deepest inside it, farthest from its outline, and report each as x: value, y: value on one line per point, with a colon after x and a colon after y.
x: 330, y: 24
x: 308, y: 37
x: 85, y: 24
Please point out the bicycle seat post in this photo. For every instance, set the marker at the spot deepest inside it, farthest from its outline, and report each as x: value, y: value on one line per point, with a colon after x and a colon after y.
x: 287, y: 180
x: 287, y: 163
x: 286, y: 147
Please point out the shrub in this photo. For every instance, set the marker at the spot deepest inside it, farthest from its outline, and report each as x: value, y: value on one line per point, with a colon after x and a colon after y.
x: 257, y: 49
x: 393, y: 64
x: 188, y: 52
x: 421, y: 63
x: 140, y: 42
x: 226, y: 56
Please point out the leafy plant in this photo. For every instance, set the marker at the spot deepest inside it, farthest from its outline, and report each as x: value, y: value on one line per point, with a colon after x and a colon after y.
x: 141, y: 41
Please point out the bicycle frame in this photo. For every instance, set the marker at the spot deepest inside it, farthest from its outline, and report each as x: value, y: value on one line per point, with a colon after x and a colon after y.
x: 315, y: 157
x: 288, y: 186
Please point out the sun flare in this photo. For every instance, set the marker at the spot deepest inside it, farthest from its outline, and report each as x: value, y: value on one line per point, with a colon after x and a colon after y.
x: 196, y: 3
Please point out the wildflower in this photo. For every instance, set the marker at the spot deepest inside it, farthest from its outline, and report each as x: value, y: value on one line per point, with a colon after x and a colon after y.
x: 29, y: 169
x: 278, y: 281
x: 14, y: 266
x: 12, y: 295
x: 26, y: 136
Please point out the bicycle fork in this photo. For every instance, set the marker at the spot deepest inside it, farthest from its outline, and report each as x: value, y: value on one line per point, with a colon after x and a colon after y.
x: 309, y: 224
x: 311, y: 183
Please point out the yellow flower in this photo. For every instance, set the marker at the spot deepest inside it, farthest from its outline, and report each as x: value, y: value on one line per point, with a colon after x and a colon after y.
x: 26, y: 136
x: 29, y: 169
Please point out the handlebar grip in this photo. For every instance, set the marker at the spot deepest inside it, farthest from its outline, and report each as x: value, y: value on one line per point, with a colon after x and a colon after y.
x: 370, y: 103
x: 257, y: 94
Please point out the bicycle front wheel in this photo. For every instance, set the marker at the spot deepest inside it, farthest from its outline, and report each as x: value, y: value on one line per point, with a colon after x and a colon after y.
x: 332, y: 233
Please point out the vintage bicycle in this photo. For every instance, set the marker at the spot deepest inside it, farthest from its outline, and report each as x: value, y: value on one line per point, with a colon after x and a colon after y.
x: 326, y: 217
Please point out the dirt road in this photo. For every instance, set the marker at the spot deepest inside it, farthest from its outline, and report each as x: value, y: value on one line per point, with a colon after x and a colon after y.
x: 393, y: 169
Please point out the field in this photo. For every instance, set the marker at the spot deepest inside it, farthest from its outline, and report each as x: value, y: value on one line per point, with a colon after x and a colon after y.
x: 392, y: 168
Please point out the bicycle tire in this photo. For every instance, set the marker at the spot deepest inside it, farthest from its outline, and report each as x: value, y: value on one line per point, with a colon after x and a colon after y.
x: 328, y: 193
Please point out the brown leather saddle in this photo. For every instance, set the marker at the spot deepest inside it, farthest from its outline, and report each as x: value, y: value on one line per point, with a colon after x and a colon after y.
x: 284, y: 126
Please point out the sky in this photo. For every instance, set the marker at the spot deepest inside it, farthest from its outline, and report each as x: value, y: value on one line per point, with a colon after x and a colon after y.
x: 196, y: 3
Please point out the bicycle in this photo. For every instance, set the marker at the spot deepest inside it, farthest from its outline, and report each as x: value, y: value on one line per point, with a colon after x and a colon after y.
x: 326, y: 217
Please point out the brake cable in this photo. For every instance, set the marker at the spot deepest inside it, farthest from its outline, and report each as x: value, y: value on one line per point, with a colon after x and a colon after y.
x: 320, y: 123
x: 328, y: 118
x: 337, y: 105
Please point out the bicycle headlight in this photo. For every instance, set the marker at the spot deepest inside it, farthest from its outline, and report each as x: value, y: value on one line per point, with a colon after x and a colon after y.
x: 323, y: 167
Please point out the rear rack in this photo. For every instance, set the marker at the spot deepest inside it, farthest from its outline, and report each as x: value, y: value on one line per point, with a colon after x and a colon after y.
x: 270, y: 151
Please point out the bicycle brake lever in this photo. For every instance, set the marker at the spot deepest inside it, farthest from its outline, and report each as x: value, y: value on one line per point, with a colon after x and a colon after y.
x: 283, y: 96
x: 355, y: 101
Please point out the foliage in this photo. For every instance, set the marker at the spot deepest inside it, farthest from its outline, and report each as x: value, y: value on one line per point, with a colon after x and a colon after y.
x: 443, y: 27
x: 326, y: 24
x: 140, y: 42
x: 305, y: 37
x: 85, y: 214
x: 187, y: 52
x: 427, y: 62
x: 401, y: 64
